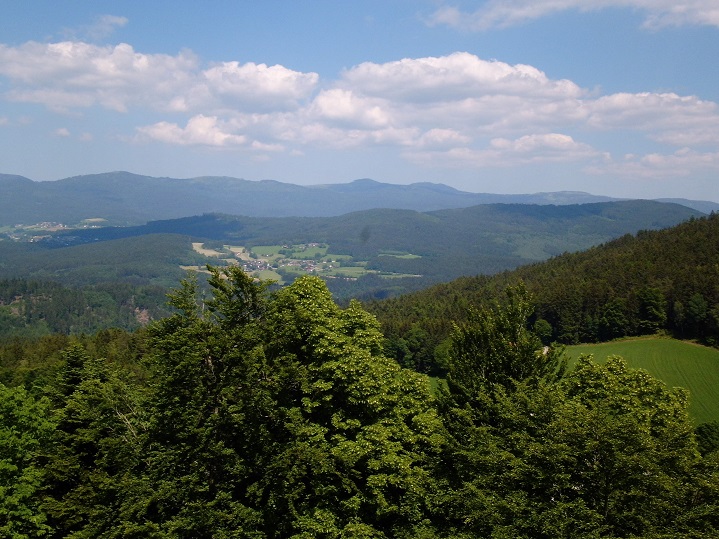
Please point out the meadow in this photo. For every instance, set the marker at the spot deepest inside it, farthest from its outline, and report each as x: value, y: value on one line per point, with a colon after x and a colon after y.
x: 293, y: 261
x: 677, y: 363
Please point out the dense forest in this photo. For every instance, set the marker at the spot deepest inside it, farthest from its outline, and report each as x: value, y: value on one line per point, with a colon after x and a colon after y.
x: 251, y: 413
x: 654, y: 281
x: 36, y: 308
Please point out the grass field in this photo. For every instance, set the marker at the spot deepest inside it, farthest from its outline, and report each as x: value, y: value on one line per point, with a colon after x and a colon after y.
x: 399, y: 254
x: 676, y: 363
x: 267, y: 250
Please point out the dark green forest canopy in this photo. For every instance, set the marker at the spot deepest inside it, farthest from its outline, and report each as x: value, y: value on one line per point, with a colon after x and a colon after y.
x: 666, y: 280
x: 277, y: 415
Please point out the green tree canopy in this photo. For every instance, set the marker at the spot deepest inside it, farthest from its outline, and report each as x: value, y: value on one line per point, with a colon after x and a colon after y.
x: 25, y: 429
x: 278, y: 416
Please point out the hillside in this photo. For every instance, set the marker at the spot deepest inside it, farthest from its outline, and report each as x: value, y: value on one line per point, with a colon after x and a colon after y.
x: 122, y: 198
x: 153, y: 259
x: 666, y: 280
x: 429, y: 247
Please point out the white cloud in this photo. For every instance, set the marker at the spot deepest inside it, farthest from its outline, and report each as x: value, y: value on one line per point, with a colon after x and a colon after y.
x: 258, y: 85
x: 339, y: 106
x: 457, y: 108
x: 104, y: 26
x: 439, y: 138
x: 101, y: 27
x: 666, y: 117
x: 503, y: 13
x: 68, y: 75
x: 457, y: 76
x: 525, y: 150
x: 75, y: 74
x: 261, y: 146
x: 682, y: 163
x: 199, y: 131
x: 62, y: 132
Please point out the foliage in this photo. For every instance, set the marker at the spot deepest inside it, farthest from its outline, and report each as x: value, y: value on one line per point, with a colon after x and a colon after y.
x: 333, y: 434
x: 95, y: 446
x: 25, y: 429
x: 603, y: 451
x: 271, y: 414
x: 496, y: 347
x: 656, y: 281
x: 36, y: 308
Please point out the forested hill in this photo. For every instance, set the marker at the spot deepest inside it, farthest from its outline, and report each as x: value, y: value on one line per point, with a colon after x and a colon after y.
x: 443, y: 244
x: 656, y: 280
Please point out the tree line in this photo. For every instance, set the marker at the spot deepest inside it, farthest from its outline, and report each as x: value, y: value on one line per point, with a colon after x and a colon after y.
x: 274, y: 414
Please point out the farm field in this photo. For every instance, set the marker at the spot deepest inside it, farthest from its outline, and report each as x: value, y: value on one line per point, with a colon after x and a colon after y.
x: 676, y: 363
x: 272, y: 261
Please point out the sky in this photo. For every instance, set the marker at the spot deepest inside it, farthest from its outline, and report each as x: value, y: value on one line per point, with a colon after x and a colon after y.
x: 611, y: 97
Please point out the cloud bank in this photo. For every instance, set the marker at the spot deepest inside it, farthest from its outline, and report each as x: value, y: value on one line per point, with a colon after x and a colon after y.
x: 445, y: 111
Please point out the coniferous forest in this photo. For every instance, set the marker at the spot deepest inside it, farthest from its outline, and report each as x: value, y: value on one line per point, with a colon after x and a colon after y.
x: 656, y: 281
x: 277, y: 414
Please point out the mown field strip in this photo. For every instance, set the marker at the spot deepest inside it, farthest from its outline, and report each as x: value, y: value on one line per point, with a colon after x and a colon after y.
x: 676, y: 363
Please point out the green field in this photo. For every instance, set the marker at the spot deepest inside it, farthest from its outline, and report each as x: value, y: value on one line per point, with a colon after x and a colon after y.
x: 267, y: 250
x: 399, y: 254
x: 676, y: 363
x: 349, y: 271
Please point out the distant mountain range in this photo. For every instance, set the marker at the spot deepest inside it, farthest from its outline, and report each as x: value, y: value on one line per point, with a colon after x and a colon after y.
x: 122, y: 198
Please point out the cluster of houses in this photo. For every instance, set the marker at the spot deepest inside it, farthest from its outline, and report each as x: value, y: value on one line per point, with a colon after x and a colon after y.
x: 274, y: 263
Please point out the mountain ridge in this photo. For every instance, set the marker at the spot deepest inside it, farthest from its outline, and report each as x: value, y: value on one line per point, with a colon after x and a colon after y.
x: 124, y: 198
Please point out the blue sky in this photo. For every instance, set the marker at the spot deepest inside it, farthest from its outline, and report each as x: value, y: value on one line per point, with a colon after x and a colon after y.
x: 613, y: 97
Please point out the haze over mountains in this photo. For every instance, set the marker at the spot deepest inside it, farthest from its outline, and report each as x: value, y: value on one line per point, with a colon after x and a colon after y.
x: 125, y: 199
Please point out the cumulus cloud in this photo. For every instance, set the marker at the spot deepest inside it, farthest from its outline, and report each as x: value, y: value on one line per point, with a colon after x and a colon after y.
x: 258, y: 85
x: 104, y: 26
x: 458, y: 108
x: 440, y: 138
x: 459, y: 75
x: 100, y: 28
x: 200, y: 130
x: 71, y: 74
x: 345, y: 107
x: 503, y: 13
x: 62, y: 132
x: 76, y: 74
x: 666, y: 117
